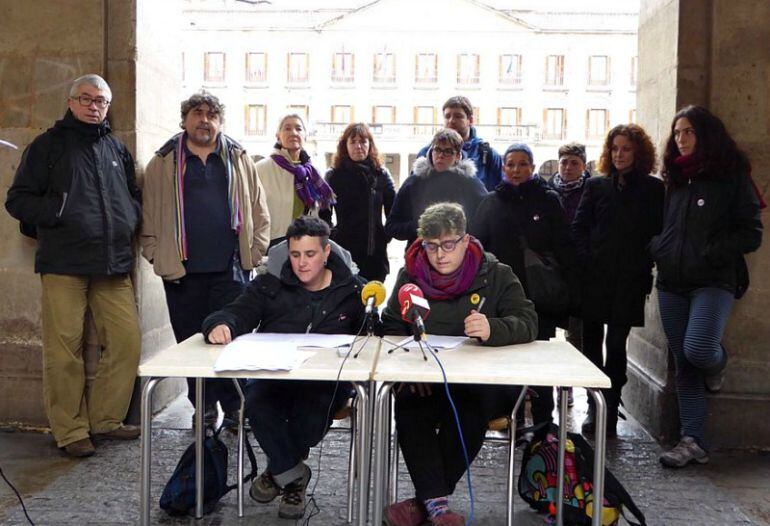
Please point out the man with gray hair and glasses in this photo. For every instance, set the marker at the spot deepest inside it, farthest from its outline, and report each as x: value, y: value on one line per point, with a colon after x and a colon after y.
x: 75, y: 191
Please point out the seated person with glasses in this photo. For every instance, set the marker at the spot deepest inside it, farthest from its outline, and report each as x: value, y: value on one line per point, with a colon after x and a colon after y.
x: 442, y: 176
x: 308, y: 287
x: 455, y: 275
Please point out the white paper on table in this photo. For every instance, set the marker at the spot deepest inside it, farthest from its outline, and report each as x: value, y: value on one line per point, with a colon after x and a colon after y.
x: 243, y: 354
x: 436, y: 341
x: 327, y: 341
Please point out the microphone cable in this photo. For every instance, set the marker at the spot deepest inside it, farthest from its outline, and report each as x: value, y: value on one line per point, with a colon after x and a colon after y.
x: 18, y: 496
x: 459, y: 427
x: 311, y: 502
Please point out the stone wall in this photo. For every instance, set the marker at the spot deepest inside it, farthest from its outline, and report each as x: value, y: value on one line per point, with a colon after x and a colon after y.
x: 709, y: 53
x: 45, y: 45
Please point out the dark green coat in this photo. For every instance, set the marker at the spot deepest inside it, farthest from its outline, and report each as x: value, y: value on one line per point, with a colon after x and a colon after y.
x: 512, y: 317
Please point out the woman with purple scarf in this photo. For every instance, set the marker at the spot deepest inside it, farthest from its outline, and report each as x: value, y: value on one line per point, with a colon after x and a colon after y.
x: 471, y: 294
x: 292, y: 184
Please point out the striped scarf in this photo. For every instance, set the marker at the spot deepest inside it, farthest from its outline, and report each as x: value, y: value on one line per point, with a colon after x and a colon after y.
x: 236, y: 214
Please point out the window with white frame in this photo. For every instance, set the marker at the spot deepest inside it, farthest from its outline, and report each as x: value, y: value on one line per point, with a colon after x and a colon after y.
x: 468, y: 68
x: 342, y: 114
x: 554, y: 70
x: 256, y: 67
x: 426, y: 68
x: 508, y: 122
x: 424, y: 119
x: 383, y: 115
x: 597, y: 121
x: 384, y: 68
x: 298, y: 65
x: 554, y: 123
x: 343, y: 67
x: 510, y: 72
x: 214, y: 66
x: 255, y: 119
x: 598, y: 70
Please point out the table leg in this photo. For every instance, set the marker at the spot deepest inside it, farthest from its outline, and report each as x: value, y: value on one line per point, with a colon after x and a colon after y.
x: 363, y: 437
x: 241, y: 438
x: 381, y: 442
x: 599, y: 452
x: 199, y: 435
x: 562, y: 453
x: 512, y: 458
x: 146, y: 454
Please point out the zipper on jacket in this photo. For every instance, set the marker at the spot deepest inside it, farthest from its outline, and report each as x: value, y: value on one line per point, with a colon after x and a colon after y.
x: 63, y: 204
x: 683, y: 219
x: 372, y: 213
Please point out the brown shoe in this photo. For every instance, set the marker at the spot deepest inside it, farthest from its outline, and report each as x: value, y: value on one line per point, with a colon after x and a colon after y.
x: 80, y: 448
x: 124, y: 432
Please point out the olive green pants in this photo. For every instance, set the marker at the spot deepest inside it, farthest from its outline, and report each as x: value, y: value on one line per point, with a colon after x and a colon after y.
x: 74, y: 409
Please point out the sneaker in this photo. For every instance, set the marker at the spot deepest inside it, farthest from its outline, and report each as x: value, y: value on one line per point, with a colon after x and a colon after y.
x: 80, y: 448
x: 264, y: 489
x: 410, y: 512
x: 448, y: 519
x: 292, y: 505
x: 124, y: 432
x: 686, y: 451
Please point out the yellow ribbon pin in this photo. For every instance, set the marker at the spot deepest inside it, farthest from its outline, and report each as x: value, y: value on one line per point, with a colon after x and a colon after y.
x: 475, y: 298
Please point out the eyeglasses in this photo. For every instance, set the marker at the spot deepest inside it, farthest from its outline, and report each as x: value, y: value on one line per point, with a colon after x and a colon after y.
x: 449, y: 152
x: 86, y: 101
x: 447, y: 246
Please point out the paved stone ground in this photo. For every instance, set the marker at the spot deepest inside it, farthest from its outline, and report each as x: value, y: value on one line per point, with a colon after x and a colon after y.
x: 103, y: 489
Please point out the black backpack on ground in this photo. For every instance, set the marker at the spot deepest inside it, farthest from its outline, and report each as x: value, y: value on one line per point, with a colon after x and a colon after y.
x: 178, y: 496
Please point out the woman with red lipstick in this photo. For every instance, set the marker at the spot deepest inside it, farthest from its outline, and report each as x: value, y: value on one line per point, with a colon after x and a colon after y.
x: 617, y: 216
x: 711, y: 220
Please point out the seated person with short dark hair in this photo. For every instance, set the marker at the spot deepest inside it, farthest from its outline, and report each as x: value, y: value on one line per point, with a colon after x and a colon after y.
x: 454, y: 273
x: 309, y: 287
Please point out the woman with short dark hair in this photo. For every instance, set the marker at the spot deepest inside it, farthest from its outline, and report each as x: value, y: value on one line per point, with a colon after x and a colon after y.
x: 454, y: 273
x: 364, y: 189
x: 617, y: 216
x: 711, y: 220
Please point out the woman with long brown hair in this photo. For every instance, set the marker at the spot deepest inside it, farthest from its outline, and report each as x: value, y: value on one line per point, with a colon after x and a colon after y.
x: 617, y: 216
x: 364, y: 189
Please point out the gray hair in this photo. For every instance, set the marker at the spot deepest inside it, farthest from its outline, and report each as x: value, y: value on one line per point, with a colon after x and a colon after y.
x: 92, y: 79
x: 202, y: 97
x: 440, y: 219
x: 291, y: 116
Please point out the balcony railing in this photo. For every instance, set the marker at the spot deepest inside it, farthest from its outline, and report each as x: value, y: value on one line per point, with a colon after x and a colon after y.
x: 407, y: 131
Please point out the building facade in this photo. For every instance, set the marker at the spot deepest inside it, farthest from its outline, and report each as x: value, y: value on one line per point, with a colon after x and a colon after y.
x: 534, y: 76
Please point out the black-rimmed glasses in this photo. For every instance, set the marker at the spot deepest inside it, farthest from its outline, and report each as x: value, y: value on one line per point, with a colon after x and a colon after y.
x: 86, y: 101
x: 447, y: 246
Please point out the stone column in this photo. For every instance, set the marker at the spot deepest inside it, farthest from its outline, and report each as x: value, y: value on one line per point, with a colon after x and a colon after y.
x: 709, y: 53
x: 45, y: 46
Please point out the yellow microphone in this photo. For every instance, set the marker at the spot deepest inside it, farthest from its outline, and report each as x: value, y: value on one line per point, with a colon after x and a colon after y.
x: 372, y: 295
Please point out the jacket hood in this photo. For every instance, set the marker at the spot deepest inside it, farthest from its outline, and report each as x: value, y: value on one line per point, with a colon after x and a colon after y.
x: 278, y: 256
x: 423, y: 167
x: 69, y: 122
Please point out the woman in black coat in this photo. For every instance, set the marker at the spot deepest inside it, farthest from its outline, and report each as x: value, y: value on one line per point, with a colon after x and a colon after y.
x: 364, y: 190
x: 617, y: 216
x: 524, y: 211
x: 711, y: 220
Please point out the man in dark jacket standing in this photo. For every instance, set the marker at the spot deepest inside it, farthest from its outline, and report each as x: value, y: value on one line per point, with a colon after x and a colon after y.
x: 75, y: 187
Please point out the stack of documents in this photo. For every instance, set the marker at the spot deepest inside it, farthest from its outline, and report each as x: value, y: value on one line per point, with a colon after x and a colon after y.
x: 274, y: 352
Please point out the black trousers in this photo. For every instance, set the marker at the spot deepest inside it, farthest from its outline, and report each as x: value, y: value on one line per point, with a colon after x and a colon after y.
x: 428, y: 436
x: 615, y: 364
x: 289, y: 417
x: 190, y: 299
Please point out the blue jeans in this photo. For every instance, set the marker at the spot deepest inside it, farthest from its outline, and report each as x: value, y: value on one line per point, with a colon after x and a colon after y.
x: 289, y: 417
x: 694, y: 323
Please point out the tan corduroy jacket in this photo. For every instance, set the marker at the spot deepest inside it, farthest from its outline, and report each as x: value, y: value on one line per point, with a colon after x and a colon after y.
x: 158, y: 233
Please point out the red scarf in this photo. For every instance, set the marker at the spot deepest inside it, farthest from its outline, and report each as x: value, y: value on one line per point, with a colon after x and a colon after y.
x: 690, y: 166
x: 438, y: 286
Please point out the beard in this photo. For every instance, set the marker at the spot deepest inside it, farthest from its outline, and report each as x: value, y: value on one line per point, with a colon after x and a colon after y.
x: 202, y: 137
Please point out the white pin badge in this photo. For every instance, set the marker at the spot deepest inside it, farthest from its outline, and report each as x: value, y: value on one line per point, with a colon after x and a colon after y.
x: 701, y: 202
x: 536, y: 217
x: 114, y: 163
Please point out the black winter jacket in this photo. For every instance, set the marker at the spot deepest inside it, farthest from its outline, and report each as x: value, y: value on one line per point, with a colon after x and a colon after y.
x: 283, y: 305
x: 531, y: 210
x: 512, y: 317
x: 611, y: 230
x: 76, y: 185
x: 363, y: 193
x: 425, y: 187
x: 708, y: 225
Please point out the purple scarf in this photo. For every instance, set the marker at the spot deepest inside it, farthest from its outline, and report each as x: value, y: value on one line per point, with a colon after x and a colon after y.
x: 308, y: 183
x: 438, y: 286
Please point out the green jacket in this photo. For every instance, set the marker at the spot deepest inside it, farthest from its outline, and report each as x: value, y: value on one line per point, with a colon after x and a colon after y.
x: 512, y: 317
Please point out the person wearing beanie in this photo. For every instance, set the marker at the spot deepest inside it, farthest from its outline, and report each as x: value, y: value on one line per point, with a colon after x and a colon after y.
x: 524, y: 212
